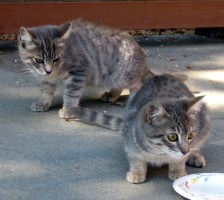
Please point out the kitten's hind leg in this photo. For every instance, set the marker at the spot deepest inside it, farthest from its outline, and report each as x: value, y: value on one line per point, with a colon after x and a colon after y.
x: 138, y: 171
x: 44, y: 102
x: 196, y: 159
x: 122, y: 101
x: 111, y: 96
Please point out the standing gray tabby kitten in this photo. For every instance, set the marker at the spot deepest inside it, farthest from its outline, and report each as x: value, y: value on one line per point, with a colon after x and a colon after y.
x: 163, y: 124
x: 81, y: 54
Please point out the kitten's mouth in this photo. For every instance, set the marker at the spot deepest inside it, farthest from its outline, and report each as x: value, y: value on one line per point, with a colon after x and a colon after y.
x: 180, y: 155
x: 187, y: 154
x: 184, y: 155
x: 44, y: 74
x: 48, y: 72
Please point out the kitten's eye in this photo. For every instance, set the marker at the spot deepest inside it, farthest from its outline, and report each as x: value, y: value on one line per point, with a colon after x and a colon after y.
x: 172, y: 137
x: 191, y: 135
x: 56, y: 59
x: 38, y: 60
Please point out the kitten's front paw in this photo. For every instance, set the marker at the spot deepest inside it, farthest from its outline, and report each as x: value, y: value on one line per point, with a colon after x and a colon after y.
x: 65, y: 114
x: 39, y: 107
x: 174, y: 174
x: 196, y: 160
x: 135, y: 177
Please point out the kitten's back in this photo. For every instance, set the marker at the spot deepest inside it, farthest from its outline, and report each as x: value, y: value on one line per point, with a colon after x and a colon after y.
x: 160, y: 87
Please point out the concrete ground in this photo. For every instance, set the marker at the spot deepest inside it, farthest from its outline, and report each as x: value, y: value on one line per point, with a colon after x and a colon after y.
x: 43, y: 157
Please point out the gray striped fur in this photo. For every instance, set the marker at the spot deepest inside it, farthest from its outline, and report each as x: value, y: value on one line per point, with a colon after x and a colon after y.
x: 164, y: 105
x: 98, y: 118
x: 78, y: 54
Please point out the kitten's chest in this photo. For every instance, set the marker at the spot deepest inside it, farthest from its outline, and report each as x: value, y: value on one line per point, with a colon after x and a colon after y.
x: 154, y: 157
x: 140, y: 148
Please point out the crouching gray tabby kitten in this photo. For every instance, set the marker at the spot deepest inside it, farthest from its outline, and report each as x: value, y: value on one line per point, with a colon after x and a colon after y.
x: 81, y: 54
x: 163, y: 124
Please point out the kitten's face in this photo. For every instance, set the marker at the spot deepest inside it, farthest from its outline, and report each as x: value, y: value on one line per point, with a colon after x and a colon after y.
x: 178, y: 139
x: 41, y: 48
x: 172, y: 128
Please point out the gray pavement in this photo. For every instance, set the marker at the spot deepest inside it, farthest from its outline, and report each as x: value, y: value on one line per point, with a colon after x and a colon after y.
x: 43, y: 157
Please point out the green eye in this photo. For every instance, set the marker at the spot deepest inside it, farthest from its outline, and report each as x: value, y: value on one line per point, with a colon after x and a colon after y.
x: 191, y: 135
x: 38, y: 60
x: 172, y: 137
x: 56, y: 59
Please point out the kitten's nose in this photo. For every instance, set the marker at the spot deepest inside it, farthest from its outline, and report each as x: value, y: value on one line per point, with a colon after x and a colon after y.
x: 184, y: 149
x: 48, y: 69
x: 48, y: 72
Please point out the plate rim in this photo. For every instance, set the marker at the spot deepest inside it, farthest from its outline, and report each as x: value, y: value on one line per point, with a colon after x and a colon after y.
x: 179, y: 180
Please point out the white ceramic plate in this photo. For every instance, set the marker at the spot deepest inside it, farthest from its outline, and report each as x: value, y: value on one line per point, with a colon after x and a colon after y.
x: 204, y: 186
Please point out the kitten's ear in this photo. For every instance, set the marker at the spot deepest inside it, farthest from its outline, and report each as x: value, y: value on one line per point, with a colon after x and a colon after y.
x: 194, y: 104
x: 155, y: 112
x: 64, y: 30
x: 25, y: 37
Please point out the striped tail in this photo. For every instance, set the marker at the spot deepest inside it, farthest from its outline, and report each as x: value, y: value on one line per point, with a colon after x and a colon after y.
x: 98, y: 118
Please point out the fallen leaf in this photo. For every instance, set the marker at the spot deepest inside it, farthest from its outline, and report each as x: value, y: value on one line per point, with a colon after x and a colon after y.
x: 189, y: 66
x: 171, y: 59
x: 173, y: 38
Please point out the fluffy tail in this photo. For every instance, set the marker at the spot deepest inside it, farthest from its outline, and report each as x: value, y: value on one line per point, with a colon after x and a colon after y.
x: 98, y: 118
